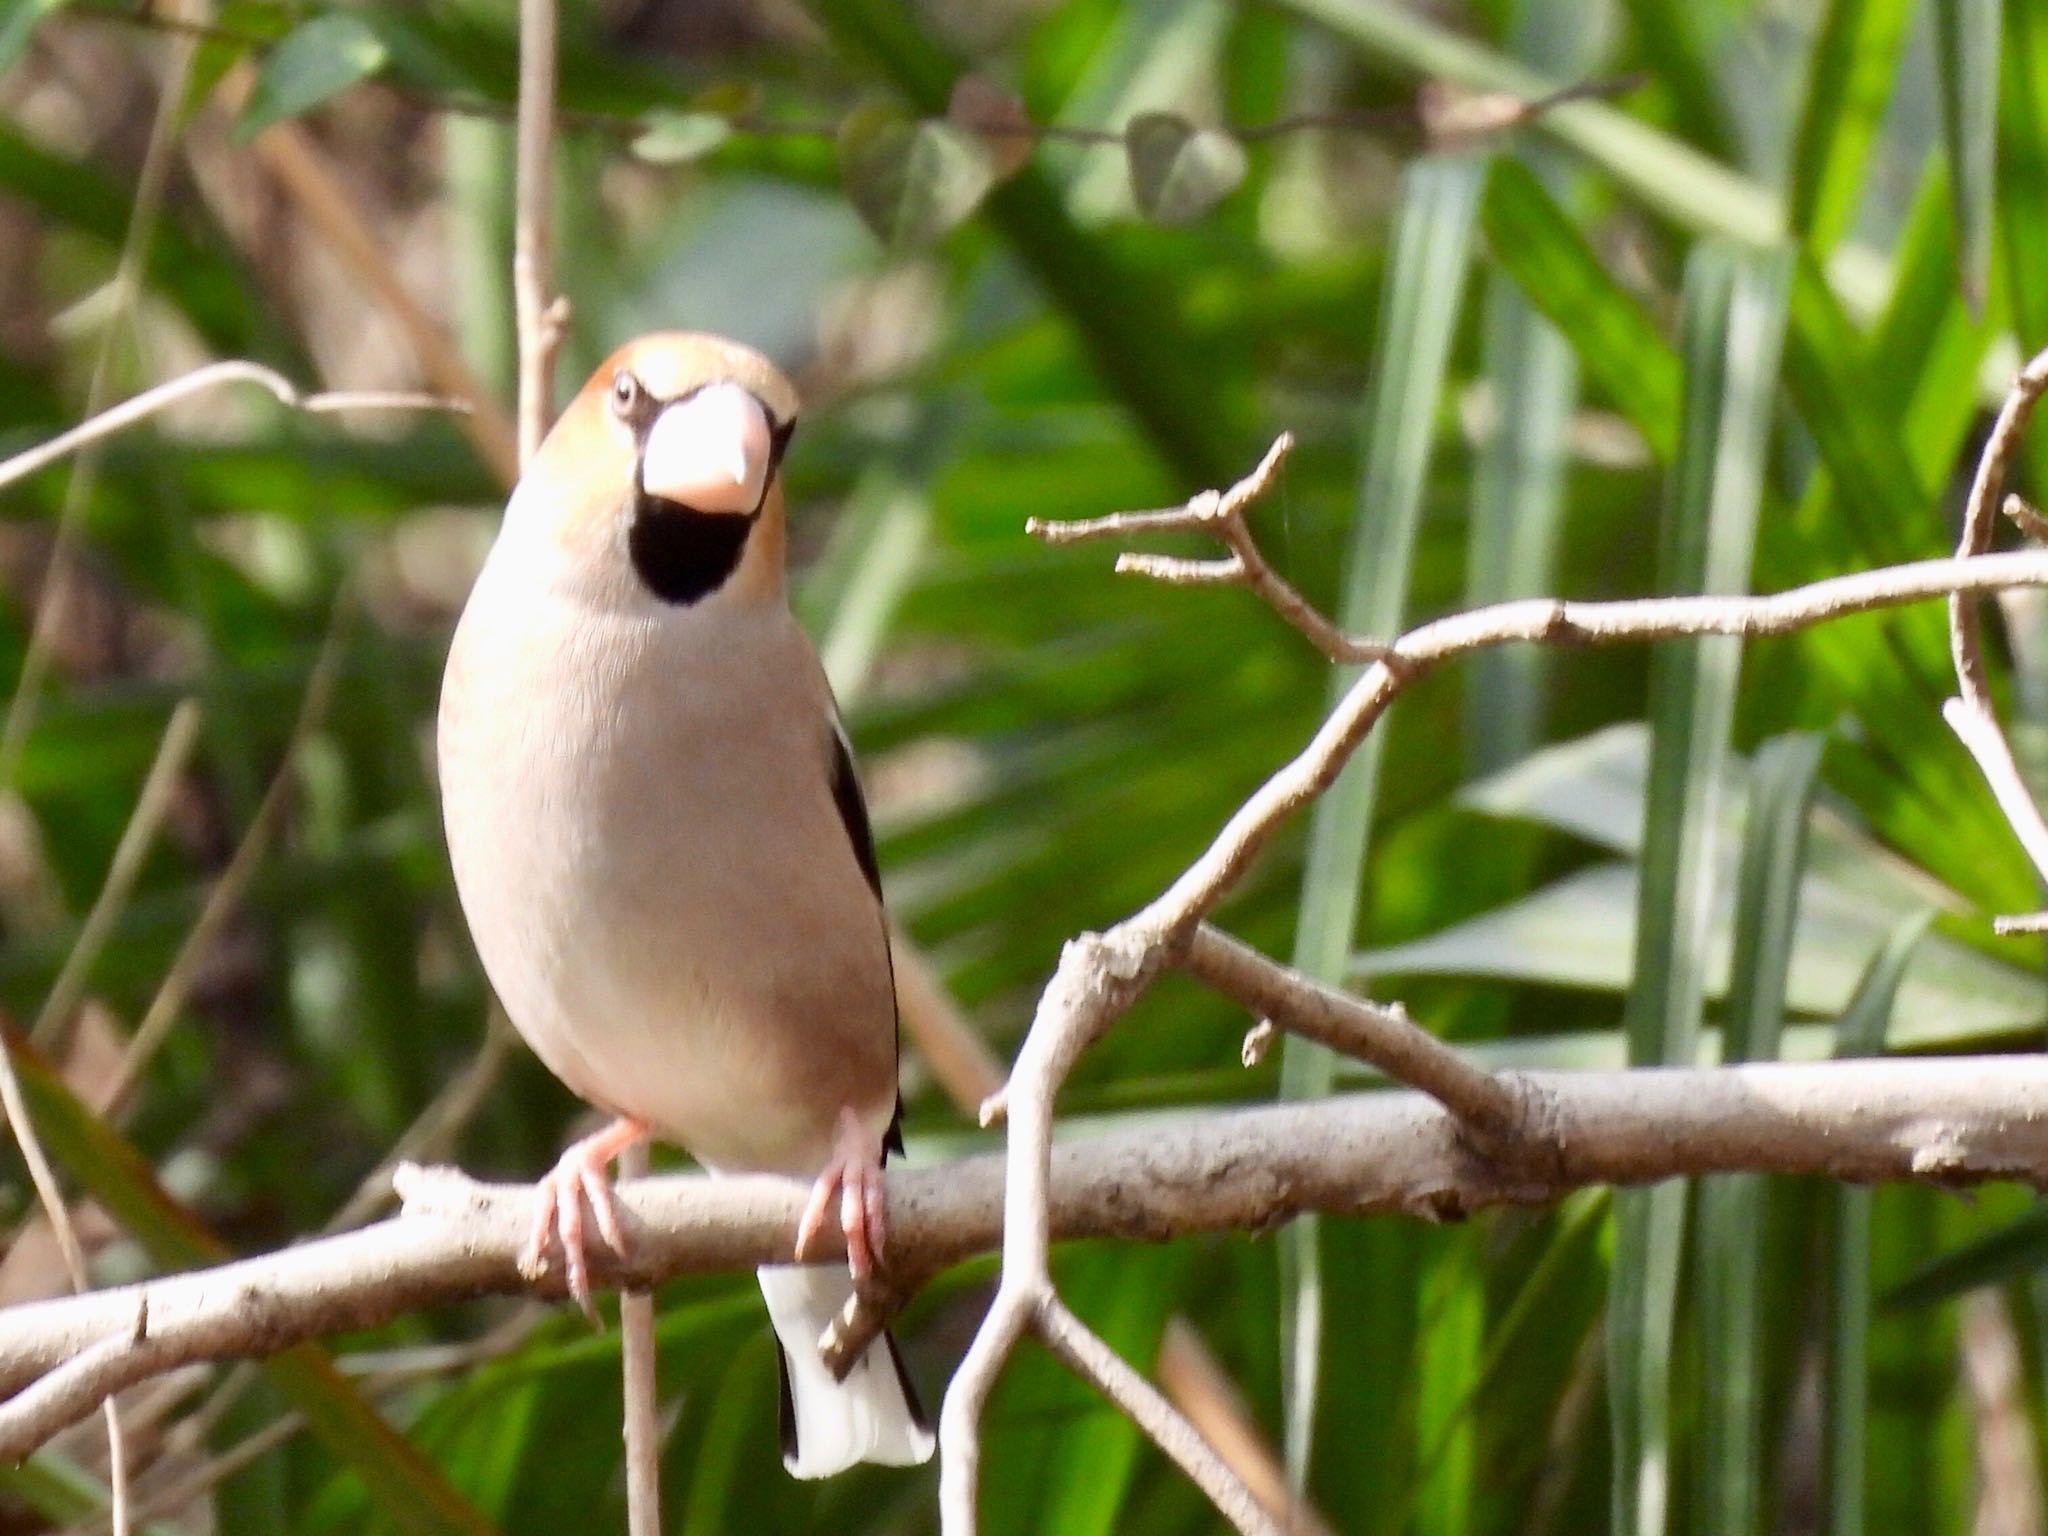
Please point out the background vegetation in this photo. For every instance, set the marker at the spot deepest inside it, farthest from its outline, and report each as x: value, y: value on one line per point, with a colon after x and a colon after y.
x: 1802, y: 253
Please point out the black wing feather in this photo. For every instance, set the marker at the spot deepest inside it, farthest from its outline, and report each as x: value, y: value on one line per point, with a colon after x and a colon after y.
x: 853, y: 810
x: 853, y: 815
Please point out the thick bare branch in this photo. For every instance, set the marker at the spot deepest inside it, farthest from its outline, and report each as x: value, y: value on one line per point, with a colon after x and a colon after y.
x: 961, y: 1060
x: 1940, y: 1120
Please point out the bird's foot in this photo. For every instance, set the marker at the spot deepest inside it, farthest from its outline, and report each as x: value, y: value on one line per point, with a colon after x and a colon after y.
x: 583, y: 1174
x: 855, y: 1175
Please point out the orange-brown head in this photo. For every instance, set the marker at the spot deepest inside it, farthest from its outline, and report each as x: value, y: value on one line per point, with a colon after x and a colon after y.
x: 663, y: 476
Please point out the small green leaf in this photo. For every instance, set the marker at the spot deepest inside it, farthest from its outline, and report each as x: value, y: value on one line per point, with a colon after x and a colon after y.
x: 677, y: 138
x: 911, y: 181
x: 1178, y: 171
x: 317, y: 61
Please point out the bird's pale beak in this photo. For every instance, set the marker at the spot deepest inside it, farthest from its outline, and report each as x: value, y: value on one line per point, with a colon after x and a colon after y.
x: 710, y: 451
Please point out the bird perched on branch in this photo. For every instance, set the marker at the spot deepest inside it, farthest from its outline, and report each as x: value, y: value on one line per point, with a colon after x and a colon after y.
x: 662, y: 850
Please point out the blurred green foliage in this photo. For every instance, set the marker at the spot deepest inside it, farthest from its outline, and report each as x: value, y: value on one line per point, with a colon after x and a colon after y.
x: 1514, y: 366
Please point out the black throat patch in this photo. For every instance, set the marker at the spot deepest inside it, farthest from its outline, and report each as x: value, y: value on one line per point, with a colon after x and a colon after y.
x: 683, y: 555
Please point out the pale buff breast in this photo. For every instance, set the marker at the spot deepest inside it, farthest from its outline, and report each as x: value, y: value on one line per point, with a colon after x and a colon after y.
x: 640, y: 816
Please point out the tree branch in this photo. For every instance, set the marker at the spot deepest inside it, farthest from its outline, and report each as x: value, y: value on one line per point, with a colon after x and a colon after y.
x: 1948, y: 1121
x: 1220, y: 513
x: 150, y: 402
x: 1970, y: 714
x: 1101, y: 975
x: 1093, y: 1360
x: 1381, y: 1035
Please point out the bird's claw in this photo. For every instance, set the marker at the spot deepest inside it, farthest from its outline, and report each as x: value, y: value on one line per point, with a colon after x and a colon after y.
x: 581, y: 1177
x: 854, y: 1175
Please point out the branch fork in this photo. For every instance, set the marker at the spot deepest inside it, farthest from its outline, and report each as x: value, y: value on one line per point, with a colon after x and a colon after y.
x: 1220, y: 514
x: 1511, y: 1128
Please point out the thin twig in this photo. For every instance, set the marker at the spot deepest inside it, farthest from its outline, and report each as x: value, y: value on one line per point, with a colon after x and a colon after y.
x: 1093, y: 1360
x: 1198, y: 1386
x: 294, y: 160
x: 1500, y: 113
x: 636, y: 1369
x: 172, y: 1496
x: 60, y: 1006
x: 15, y: 1106
x: 162, y: 397
x: 538, y: 314
x: 226, y: 894
x: 1971, y: 714
x: 1379, y: 1034
x: 53, y: 600
x: 1220, y: 513
x: 2026, y: 519
x: 1195, y: 1384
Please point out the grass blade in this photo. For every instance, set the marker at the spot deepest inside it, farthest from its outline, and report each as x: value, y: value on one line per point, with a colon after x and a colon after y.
x: 1732, y: 330
x: 1418, y: 315
x: 1448, y: 1361
x: 1617, y: 342
x: 2013, y: 1251
x: 1728, y: 1265
x: 1860, y: 1032
x: 2023, y: 169
x: 1517, y: 516
x: 1966, y: 42
x: 1854, y: 61
x: 1667, y: 35
x: 1518, y: 491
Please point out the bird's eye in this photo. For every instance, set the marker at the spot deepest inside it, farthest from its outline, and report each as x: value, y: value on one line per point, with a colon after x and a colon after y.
x: 625, y: 393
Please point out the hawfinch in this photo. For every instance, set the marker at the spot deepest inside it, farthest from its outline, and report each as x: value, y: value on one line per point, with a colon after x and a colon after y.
x: 662, y: 849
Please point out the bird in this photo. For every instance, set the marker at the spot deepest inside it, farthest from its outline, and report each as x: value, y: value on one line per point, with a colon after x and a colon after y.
x: 660, y: 843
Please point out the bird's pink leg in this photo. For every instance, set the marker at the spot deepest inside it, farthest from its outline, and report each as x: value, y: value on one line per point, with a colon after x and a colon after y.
x: 855, y: 1176
x: 583, y: 1174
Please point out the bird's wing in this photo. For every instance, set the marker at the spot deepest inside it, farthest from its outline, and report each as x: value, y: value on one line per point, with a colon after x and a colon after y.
x: 853, y: 815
